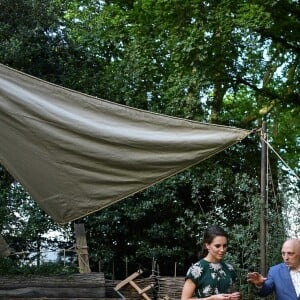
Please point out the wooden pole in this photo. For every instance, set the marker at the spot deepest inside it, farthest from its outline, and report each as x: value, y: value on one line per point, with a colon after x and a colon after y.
x: 175, y: 269
x: 81, y: 248
x: 263, y: 201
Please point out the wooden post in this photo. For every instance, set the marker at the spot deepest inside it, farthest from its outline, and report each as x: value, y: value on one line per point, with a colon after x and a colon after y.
x: 81, y: 248
x: 175, y: 269
x: 4, y: 248
x: 263, y: 201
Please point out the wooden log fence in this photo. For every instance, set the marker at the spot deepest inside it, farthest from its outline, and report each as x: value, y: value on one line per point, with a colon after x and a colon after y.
x: 89, y: 286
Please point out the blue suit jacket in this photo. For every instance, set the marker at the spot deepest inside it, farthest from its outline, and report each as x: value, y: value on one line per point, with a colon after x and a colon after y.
x: 279, y: 281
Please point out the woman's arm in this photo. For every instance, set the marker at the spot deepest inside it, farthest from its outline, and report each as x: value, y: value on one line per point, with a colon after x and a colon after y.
x: 188, y: 290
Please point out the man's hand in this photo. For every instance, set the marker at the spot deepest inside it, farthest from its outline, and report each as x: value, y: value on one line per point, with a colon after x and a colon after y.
x: 256, y: 278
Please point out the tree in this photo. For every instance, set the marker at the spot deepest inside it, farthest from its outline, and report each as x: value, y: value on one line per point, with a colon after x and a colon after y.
x: 227, y: 62
x: 30, y: 40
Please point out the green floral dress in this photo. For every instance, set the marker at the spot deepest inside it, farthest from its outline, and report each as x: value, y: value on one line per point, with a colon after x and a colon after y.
x: 211, y: 278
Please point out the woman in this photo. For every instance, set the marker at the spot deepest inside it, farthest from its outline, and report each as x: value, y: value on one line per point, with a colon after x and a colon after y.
x: 211, y: 278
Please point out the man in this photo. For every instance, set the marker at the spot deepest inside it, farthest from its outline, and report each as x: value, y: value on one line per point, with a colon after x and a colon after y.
x: 283, y: 279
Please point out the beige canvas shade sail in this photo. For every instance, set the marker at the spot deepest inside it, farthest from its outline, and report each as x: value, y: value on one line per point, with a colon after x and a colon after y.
x: 76, y: 154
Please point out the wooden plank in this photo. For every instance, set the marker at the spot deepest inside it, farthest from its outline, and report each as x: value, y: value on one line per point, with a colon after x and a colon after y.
x: 147, y: 288
x: 128, y: 279
x: 137, y: 288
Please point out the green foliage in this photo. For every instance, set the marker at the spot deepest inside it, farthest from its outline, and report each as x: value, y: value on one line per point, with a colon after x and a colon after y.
x: 10, y: 266
x: 26, y: 226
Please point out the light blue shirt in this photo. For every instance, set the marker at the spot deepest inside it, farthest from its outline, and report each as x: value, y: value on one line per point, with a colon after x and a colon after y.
x: 295, y: 275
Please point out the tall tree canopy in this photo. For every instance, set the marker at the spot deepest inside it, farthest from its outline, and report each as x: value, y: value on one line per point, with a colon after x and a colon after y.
x: 227, y: 62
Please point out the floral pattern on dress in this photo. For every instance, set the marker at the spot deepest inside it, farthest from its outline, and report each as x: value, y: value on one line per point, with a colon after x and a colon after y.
x: 196, y: 270
x: 211, y: 278
x: 207, y: 290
